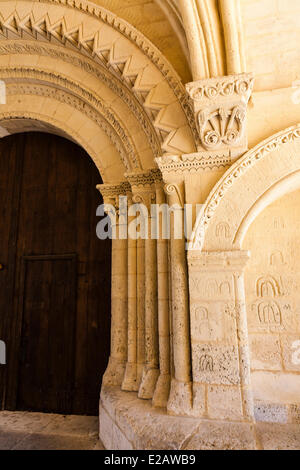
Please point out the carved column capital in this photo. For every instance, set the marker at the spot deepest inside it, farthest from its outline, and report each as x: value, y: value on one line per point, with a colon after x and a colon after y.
x: 112, y: 192
x: 220, y: 107
x: 143, y: 187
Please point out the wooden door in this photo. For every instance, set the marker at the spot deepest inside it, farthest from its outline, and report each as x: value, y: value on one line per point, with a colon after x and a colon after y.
x: 55, y: 288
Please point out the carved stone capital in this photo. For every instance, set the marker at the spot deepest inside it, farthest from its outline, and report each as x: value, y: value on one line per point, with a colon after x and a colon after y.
x: 139, y: 180
x: 143, y: 186
x: 112, y: 192
x: 220, y: 107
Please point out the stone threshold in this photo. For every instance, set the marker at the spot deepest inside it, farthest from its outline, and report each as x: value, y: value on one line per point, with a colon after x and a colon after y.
x: 128, y: 423
x: 43, y: 431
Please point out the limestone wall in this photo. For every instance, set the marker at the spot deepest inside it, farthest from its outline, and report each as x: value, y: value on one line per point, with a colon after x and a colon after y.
x: 272, y: 282
x: 272, y: 34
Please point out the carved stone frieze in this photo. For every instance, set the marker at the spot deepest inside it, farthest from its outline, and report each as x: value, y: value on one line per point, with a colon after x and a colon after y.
x: 194, y: 162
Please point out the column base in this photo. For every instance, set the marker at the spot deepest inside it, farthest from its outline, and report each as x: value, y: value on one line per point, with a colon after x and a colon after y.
x: 162, y: 391
x: 114, y: 373
x: 149, y: 380
x: 180, y: 399
x: 128, y: 423
x: 129, y: 383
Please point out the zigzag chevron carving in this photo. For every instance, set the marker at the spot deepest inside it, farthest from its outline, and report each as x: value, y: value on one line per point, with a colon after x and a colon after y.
x: 113, y: 51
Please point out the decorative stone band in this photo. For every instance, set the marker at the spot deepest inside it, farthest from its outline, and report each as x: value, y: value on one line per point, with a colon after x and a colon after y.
x: 195, y: 162
x: 98, y: 112
x: 100, y: 46
x: 220, y: 107
x: 231, y: 86
x: 127, y: 30
x: 224, y: 260
x: 144, y: 179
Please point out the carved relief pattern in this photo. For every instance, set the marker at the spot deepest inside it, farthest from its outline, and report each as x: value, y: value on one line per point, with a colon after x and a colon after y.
x: 105, y: 53
x: 108, y: 123
x: 225, y: 87
x: 194, y: 162
x: 220, y: 106
x: 103, y: 75
x: 222, y: 126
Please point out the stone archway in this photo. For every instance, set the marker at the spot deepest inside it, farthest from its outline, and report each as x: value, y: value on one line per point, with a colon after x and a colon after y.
x: 88, y: 52
x: 259, y: 178
x: 52, y: 318
x: 80, y: 69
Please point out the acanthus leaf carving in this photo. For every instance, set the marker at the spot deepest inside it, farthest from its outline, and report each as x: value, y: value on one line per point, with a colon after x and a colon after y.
x: 220, y: 107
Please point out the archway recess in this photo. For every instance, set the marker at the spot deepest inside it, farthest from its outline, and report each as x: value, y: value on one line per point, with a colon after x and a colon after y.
x: 77, y: 66
x: 261, y: 176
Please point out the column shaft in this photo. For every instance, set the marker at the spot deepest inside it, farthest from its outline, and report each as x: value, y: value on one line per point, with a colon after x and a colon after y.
x: 180, y: 400
x: 151, y: 370
x: 115, y: 371
x: 130, y: 378
x: 162, y: 389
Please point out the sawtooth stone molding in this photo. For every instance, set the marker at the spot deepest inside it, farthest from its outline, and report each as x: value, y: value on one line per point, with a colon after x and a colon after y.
x: 153, y: 81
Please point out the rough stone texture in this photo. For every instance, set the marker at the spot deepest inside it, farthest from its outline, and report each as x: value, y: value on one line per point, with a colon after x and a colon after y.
x: 278, y: 436
x: 271, y: 413
x: 226, y: 436
x: 40, y: 431
x: 128, y: 423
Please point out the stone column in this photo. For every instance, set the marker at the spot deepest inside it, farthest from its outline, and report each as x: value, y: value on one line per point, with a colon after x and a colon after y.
x: 116, y: 367
x: 180, y: 400
x: 220, y: 351
x: 140, y: 300
x: 162, y: 389
x: 151, y: 368
x: 130, y: 379
x: 148, y: 362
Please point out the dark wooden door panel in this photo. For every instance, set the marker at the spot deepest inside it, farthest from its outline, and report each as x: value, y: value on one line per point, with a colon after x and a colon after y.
x: 48, y: 308
x: 48, y: 186
x: 11, y: 162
